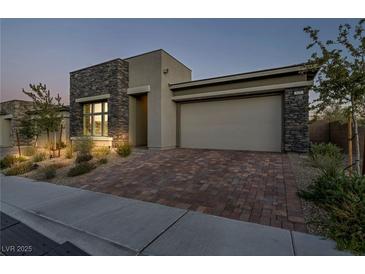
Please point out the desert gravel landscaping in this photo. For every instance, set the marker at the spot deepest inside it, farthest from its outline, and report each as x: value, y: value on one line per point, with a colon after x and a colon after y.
x: 304, y: 173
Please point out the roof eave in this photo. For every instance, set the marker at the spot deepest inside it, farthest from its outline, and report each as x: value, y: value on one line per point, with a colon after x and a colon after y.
x: 239, y: 77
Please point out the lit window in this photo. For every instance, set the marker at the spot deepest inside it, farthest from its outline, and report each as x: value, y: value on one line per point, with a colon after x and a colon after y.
x: 105, y: 125
x: 87, y: 125
x: 95, y: 120
x: 98, y: 108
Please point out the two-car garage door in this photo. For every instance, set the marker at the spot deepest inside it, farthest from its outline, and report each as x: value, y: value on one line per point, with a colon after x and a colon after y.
x: 239, y: 124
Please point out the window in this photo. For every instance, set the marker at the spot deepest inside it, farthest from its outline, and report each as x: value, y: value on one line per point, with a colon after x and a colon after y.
x: 95, y: 120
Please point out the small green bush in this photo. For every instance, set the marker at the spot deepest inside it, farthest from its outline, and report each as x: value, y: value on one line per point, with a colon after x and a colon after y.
x: 20, y: 159
x: 49, y: 172
x: 81, y: 168
x: 20, y: 168
x: 102, y: 161
x: 327, y: 157
x: 39, y: 157
x: 10, y: 160
x: 84, y: 146
x: 60, y: 145
x: 29, y: 151
x: 69, y: 152
x: 328, y: 165
x: 124, y: 150
x: 83, y: 158
x: 343, y: 200
x: 325, y: 149
x: 100, y: 152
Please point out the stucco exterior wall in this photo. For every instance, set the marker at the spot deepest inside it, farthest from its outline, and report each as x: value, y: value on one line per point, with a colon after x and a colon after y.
x: 18, y: 109
x: 176, y: 72
x: 5, y: 132
x: 107, y: 78
x: 145, y: 70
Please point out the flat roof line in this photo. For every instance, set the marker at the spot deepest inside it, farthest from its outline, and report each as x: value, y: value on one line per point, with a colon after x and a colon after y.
x: 19, y: 100
x: 99, y: 64
x: 238, y: 76
x: 162, y: 51
x: 126, y: 59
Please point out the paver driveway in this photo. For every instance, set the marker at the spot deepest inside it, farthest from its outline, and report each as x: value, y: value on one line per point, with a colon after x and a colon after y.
x: 251, y: 186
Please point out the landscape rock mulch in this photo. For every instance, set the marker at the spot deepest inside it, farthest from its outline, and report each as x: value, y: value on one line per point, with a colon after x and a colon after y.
x: 305, y: 173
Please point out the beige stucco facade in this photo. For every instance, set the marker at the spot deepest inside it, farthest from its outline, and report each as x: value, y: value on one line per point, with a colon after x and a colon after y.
x: 163, y: 108
x: 150, y: 74
x: 5, y: 134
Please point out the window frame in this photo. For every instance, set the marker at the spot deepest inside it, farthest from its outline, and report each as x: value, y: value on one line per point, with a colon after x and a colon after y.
x: 92, y: 114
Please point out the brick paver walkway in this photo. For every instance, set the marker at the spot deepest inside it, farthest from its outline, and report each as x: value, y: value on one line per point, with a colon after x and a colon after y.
x: 250, y: 186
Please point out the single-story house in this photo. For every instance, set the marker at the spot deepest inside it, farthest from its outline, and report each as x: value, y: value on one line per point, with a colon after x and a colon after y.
x: 11, y: 114
x: 150, y: 100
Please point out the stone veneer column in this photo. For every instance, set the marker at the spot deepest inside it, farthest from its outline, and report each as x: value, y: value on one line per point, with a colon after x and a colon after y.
x: 295, y: 120
x: 107, y: 78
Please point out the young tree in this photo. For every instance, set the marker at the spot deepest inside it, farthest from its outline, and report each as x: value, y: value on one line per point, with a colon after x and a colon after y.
x: 47, y: 109
x: 341, y: 77
x: 29, y: 128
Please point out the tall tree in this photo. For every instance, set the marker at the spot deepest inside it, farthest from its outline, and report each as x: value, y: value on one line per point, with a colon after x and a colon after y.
x: 47, y: 109
x: 341, y: 77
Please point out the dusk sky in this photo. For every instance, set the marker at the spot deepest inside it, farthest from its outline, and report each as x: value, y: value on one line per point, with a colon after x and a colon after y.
x: 46, y: 50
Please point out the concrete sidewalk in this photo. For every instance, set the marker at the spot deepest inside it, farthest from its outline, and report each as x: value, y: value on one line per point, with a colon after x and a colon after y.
x: 103, y: 224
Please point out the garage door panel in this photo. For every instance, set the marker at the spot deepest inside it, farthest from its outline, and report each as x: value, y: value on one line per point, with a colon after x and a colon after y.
x: 242, y: 124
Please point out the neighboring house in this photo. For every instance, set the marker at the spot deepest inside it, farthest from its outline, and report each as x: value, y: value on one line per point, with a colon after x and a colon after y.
x: 11, y: 114
x: 150, y: 100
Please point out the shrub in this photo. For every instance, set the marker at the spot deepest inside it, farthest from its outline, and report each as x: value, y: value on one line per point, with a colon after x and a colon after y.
x: 101, y: 152
x: 20, y: 159
x: 10, y: 160
x: 327, y: 157
x: 343, y: 200
x: 84, y: 146
x: 49, y: 172
x: 69, y: 152
x: 29, y: 151
x: 39, y: 157
x: 81, y: 168
x: 83, y: 158
x: 325, y: 149
x: 20, y: 168
x: 124, y: 150
x: 60, y: 145
x: 329, y: 166
x: 48, y: 146
x: 103, y: 161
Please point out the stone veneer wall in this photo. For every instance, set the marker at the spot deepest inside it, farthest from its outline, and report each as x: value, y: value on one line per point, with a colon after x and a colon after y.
x: 107, y: 78
x: 18, y: 109
x: 295, y: 121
